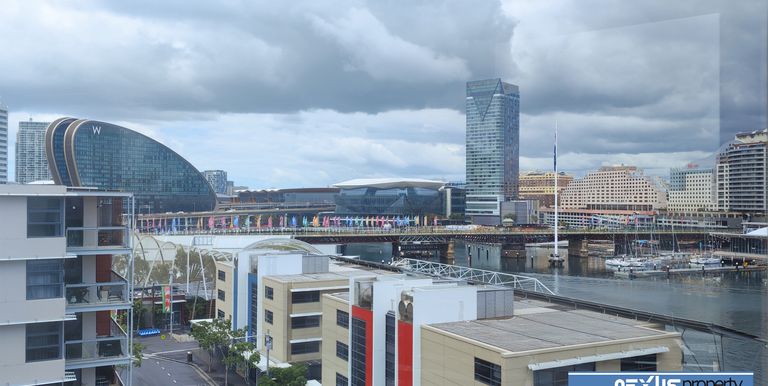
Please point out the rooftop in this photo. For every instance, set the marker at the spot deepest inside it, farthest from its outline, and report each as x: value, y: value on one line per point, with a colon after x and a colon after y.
x: 390, y: 183
x: 327, y: 276
x: 540, y: 326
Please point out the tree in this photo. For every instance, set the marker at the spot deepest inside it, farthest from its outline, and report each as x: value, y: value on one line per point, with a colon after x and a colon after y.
x: 295, y: 375
x: 240, y: 351
x: 210, y: 336
x: 138, y: 348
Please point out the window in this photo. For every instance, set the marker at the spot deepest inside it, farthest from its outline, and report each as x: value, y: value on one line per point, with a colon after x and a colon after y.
x: 342, y: 319
x: 305, y: 348
x: 44, y: 217
x: 305, y: 297
x: 642, y: 363
x: 558, y: 376
x: 44, y: 341
x: 487, y: 372
x: 45, y: 279
x: 269, y: 293
x: 221, y: 295
x: 357, y: 345
x: 305, y: 321
x: 222, y: 275
x: 389, y: 352
x: 268, y: 316
x: 220, y: 314
x: 341, y: 380
x: 342, y: 350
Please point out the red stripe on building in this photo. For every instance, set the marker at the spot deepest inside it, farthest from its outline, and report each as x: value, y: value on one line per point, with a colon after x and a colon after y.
x: 367, y: 316
x: 404, y: 353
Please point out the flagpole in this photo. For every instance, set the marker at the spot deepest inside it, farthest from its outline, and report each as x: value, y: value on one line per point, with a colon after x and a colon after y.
x: 555, y: 166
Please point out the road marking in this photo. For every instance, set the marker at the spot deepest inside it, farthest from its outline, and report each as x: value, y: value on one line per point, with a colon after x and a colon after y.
x: 169, y: 374
x: 171, y: 351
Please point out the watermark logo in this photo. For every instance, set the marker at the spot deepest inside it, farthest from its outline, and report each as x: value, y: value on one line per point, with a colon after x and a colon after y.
x: 660, y: 379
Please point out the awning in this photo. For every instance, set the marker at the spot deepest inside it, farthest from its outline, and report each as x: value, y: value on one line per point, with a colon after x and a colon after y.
x: 597, y: 358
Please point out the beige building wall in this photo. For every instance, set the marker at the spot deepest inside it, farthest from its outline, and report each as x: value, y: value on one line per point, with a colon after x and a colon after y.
x: 228, y: 286
x: 615, y: 185
x: 332, y: 333
x: 282, y: 308
x: 448, y: 359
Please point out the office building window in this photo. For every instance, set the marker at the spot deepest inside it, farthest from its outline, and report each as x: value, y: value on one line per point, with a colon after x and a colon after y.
x: 341, y: 380
x: 221, y: 295
x: 268, y: 316
x: 389, y: 350
x: 45, y: 279
x: 44, y: 341
x: 305, y: 348
x: 305, y: 321
x: 220, y: 314
x: 558, y: 376
x: 642, y: 363
x: 269, y: 292
x: 487, y: 372
x: 222, y: 275
x: 342, y: 319
x: 45, y: 217
x: 342, y: 350
x: 357, y: 345
x: 305, y: 297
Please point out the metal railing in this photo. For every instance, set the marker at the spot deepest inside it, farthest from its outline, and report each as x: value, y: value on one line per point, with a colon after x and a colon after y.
x: 98, y: 237
x: 93, y: 294
x: 473, y: 274
x: 114, y: 346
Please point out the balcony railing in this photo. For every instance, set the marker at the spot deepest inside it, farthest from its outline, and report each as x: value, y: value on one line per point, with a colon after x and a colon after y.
x: 113, y: 347
x: 107, y: 237
x: 112, y: 292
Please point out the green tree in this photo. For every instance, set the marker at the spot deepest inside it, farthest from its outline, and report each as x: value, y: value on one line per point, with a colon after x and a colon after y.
x: 138, y: 348
x: 295, y: 375
x: 239, y: 352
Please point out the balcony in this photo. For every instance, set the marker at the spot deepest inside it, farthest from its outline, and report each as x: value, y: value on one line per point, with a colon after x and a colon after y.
x: 98, y: 240
x: 102, y: 296
x: 99, y: 351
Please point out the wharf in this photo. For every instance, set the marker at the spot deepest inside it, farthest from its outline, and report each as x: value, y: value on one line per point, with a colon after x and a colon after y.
x: 627, y: 273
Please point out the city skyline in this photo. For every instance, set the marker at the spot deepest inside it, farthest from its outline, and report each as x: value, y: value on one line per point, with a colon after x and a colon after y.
x: 359, y: 111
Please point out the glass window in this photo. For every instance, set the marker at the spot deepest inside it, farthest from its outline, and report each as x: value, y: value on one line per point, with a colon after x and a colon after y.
x: 487, y: 372
x: 642, y: 363
x: 558, y: 376
x: 44, y: 341
x: 45, y: 279
x: 342, y: 319
x: 305, y: 297
x: 44, y: 217
x: 268, y: 316
x: 221, y: 295
x: 389, y: 353
x: 269, y: 293
x: 220, y: 314
x: 342, y: 350
x: 305, y: 321
x: 222, y: 275
x: 341, y: 380
x: 357, y: 353
x: 305, y: 347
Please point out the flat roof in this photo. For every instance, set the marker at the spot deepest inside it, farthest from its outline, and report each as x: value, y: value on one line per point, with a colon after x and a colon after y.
x: 325, y: 276
x: 538, y: 328
x: 390, y: 183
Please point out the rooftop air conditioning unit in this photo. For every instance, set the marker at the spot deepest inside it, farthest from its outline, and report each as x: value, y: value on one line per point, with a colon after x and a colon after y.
x: 405, y: 307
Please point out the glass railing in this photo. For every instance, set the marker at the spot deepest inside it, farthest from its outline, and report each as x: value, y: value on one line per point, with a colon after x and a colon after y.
x: 85, y: 294
x: 114, y: 346
x: 97, y: 237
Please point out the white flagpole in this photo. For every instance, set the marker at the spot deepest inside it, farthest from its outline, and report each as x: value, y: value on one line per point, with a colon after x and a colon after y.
x: 555, y: 167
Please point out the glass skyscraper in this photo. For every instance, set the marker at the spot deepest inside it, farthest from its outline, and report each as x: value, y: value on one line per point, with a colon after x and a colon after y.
x: 31, y: 164
x: 493, y: 156
x: 3, y: 143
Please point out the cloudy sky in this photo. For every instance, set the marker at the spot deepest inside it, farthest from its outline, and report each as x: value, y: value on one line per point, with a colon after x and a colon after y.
x: 309, y: 93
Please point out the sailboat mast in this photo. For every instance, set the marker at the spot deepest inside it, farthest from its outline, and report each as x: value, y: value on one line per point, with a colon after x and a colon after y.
x: 555, y: 167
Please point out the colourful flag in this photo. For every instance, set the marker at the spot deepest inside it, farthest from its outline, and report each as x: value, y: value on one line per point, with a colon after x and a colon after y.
x: 167, y: 301
x: 269, y: 222
x: 210, y: 222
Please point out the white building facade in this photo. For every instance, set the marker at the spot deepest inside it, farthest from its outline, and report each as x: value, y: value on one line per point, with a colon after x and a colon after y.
x: 691, y: 189
x: 615, y: 188
x: 31, y: 162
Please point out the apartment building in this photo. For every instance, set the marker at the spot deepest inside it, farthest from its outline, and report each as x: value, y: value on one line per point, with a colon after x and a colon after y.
x: 615, y: 188
x: 691, y: 189
x: 535, y: 185
x: 401, y: 330
x: 60, y: 292
x: 741, y: 175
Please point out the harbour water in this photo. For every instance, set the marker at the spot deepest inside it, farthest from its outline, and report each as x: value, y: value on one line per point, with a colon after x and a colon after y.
x: 738, y: 300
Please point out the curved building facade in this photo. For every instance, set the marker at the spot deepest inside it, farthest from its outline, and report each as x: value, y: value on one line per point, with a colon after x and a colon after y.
x: 390, y: 197
x: 102, y: 155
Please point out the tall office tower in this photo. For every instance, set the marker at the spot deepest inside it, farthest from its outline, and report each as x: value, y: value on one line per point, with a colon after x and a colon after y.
x: 741, y: 179
x: 493, y: 157
x: 61, y: 297
x: 31, y: 164
x: 3, y: 143
x: 217, y: 179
